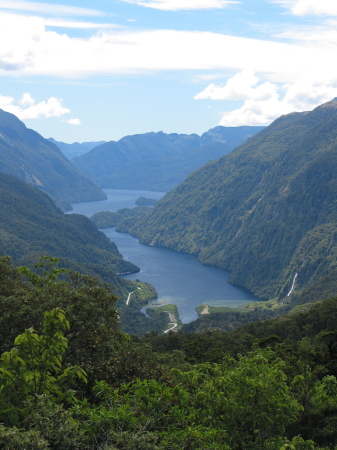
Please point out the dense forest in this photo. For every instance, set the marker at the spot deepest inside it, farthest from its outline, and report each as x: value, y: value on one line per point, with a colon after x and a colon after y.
x: 266, y: 211
x: 71, y: 379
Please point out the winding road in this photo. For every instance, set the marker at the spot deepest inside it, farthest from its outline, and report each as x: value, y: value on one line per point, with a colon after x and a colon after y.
x: 173, y: 321
x: 128, y: 299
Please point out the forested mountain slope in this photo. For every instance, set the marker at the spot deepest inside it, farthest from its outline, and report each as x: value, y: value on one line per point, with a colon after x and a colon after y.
x: 31, y: 226
x: 157, y: 161
x: 266, y: 212
x: 35, y: 160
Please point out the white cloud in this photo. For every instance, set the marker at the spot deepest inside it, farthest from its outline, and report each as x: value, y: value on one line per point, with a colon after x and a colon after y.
x: 36, y: 51
x: 74, y: 121
x: 264, y: 102
x: 176, y: 5
x: 239, y: 87
x: 56, y: 23
x: 311, y: 7
x: 49, y: 8
x: 323, y: 35
x: 27, y: 100
x: 6, y: 102
x: 50, y: 108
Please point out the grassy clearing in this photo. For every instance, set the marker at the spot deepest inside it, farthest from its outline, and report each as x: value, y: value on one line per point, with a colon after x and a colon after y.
x: 216, y: 309
x: 171, y: 309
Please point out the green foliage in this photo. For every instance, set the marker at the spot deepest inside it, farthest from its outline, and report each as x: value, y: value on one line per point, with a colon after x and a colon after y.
x: 297, y: 443
x: 144, y: 415
x: 96, y: 342
x: 55, y: 424
x: 49, y: 273
x: 227, y: 319
x: 268, y: 384
x: 17, y: 439
x: 34, y: 367
x: 248, y: 397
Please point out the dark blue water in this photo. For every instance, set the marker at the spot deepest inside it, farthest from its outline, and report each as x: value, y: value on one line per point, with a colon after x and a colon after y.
x: 178, y: 278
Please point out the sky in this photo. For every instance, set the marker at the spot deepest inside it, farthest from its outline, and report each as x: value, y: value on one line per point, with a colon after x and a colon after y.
x: 112, y: 68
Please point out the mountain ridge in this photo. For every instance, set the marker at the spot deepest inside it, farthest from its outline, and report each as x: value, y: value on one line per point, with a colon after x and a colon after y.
x: 29, y: 157
x: 157, y: 161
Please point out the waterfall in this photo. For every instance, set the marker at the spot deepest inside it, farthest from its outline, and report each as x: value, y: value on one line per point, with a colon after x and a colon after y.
x: 292, y: 286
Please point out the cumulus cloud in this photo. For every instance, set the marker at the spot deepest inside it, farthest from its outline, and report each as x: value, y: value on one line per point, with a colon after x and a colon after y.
x: 239, y: 87
x: 264, y: 102
x: 26, y: 100
x: 74, y: 121
x: 29, y: 109
x: 176, y: 5
x: 311, y: 7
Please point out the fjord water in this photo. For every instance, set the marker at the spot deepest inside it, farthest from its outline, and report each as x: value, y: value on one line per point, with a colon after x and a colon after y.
x: 177, y: 277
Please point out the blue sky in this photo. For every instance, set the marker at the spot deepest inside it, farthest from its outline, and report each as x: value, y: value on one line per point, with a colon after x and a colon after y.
x: 110, y: 68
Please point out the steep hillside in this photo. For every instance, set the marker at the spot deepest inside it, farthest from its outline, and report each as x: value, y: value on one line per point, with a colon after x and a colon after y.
x: 35, y: 160
x: 31, y: 226
x: 157, y: 161
x: 266, y: 212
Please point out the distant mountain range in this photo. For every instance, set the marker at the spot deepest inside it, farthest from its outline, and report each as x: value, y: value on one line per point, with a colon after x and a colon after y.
x: 267, y: 211
x: 75, y: 149
x: 157, y: 161
x: 31, y: 158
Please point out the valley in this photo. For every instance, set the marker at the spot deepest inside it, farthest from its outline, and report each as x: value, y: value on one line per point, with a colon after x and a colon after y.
x: 265, y: 212
x: 168, y: 225
x: 177, y: 277
x: 162, y: 327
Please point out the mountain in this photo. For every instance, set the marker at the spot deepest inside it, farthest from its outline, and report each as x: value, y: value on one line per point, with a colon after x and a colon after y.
x: 267, y: 211
x: 31, y: 225
x: 76, y: 148
x: 31, y: 158
x: 157, y: 161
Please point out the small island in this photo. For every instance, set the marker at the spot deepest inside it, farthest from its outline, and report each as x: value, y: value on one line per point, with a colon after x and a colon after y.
x: 143, y: 201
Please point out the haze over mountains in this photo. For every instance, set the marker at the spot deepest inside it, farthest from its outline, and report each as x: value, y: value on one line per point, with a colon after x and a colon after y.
x: 76, y: 148
x: 157, y: 161
x: 28, y: 156
x: 267, y: 211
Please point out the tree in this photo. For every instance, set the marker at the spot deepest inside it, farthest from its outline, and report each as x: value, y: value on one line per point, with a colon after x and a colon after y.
x: 87, y: 303
x: 34, y: 368
x: 248, y: 397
